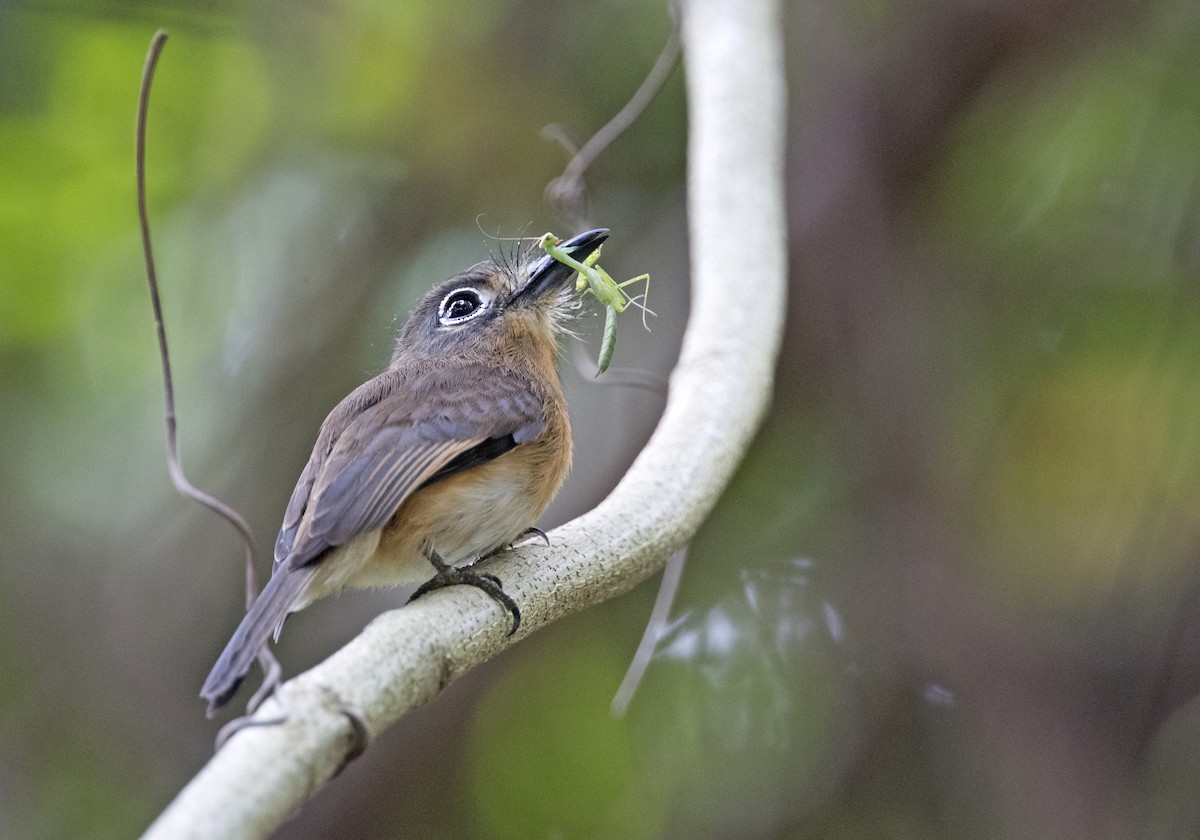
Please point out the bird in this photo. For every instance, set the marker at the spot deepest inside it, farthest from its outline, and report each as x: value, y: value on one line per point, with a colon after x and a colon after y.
x: 449, y: 455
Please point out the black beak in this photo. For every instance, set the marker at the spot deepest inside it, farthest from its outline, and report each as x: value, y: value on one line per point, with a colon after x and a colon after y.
x: 548, y: 275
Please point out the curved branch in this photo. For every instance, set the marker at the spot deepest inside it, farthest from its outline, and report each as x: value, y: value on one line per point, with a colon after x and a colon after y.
x: 719, y: 392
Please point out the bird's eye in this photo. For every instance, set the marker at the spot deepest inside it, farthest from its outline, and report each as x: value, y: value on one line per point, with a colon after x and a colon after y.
x: 459, y: 306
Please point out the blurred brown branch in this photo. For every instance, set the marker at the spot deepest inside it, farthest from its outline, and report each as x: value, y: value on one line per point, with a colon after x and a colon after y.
x: 1059, y: 723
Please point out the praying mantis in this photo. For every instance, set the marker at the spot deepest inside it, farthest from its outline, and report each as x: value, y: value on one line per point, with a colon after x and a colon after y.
x: 610, y: 294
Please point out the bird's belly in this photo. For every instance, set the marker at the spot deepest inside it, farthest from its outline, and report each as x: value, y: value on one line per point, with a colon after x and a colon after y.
x: 463, y: 517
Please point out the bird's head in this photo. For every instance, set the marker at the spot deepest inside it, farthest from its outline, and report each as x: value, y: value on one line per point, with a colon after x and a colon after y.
x: 496, y: 311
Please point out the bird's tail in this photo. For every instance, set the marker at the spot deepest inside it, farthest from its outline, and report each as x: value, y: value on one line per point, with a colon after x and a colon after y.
x: 264, y: 617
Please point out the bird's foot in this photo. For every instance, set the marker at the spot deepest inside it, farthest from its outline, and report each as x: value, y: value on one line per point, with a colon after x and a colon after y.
x: 528, y: 532
x: 448, y: 575
x: 535, y: 532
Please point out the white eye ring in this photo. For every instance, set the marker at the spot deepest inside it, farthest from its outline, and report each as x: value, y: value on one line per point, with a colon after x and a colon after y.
x: 461, y: 305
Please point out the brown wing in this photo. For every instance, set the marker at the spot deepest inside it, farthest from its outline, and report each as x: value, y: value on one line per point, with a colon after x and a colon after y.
x: 392, y: 436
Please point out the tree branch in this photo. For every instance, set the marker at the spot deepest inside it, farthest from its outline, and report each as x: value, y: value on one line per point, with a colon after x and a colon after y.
x: 719, y: 392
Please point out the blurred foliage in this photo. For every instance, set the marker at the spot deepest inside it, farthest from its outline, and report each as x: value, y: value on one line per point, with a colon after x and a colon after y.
x: 874, y: 637
x: 549, y: 758
x: 1072, y: 198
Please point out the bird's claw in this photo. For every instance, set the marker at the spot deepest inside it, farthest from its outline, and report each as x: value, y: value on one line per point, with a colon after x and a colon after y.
x: 448, y: 575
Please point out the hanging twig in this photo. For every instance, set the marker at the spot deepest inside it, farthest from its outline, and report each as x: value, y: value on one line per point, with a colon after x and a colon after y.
x: 567, y: 193
x: 174, y: 466
x: 672, y: 574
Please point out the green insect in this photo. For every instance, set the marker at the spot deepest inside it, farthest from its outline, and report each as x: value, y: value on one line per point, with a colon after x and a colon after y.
x: 610, y: 294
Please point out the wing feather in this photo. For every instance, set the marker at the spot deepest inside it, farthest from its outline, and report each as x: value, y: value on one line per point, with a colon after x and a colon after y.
x: 392, y: 436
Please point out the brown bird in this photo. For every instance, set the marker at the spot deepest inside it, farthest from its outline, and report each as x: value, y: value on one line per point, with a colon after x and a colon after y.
x: 449, y: 455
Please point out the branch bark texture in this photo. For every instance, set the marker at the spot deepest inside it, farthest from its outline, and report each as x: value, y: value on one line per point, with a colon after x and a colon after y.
x: 719, y: 392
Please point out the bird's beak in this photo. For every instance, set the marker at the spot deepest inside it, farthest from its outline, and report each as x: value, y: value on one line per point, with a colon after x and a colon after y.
x: 547, y: 275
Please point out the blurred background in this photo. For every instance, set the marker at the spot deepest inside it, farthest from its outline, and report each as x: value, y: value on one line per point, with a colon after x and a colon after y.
x: 954, y: 591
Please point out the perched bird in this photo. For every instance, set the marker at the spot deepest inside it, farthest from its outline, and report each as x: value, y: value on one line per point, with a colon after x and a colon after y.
x: 447, y: 456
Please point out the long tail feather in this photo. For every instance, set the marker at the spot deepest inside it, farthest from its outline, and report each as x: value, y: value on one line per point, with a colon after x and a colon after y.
x: 267, y: 613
